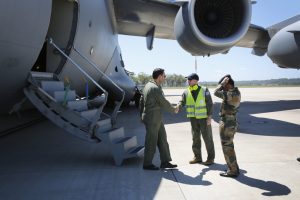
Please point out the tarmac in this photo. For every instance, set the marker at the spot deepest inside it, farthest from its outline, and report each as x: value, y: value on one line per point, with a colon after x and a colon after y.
x: 43, y: 162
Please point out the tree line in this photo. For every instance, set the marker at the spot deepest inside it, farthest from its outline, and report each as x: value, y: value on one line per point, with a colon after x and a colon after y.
x: 172, y: 80
x: 175, y: 80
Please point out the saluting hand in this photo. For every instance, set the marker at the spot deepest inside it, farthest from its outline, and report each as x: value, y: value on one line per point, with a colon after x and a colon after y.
x: 225, y: 81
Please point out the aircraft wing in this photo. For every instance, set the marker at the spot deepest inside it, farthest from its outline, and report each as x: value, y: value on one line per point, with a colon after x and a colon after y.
x: 256, y: 38
x: 207, y: 27
x: 138, y: 17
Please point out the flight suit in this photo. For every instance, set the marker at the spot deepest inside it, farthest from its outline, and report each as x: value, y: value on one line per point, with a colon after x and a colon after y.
x: 199, y: 126
x: 151, y: 105
x: 228, y: 124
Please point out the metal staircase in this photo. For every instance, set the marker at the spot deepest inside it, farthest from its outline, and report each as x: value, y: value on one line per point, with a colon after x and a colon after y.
x: 60, y: 104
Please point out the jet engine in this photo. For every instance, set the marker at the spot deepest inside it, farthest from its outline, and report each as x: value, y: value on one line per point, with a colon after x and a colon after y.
x: 284, y: 47
x: 206, y: 27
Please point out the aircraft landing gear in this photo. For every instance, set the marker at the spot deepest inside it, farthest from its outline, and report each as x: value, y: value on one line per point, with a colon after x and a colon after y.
x: 137, y: 97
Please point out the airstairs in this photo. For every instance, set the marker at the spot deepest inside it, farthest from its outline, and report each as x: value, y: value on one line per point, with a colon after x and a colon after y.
x: 80, y: 116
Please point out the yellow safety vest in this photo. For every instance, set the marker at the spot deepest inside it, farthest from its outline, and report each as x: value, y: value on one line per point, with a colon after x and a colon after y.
x: 196, y: 109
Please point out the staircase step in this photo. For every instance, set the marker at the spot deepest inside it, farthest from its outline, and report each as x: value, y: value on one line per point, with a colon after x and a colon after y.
x: 43, y: 75
x: 138, y: 151
x: 116, y: 134
x: 60, y: 95
x: 127, y: 143
x: 52, y: 86
x: 97, y: 101
x: 104, y: 125
x: 78, y: 105
x: 112, y: 135
x: 57, y: 119
x: 89, y: 114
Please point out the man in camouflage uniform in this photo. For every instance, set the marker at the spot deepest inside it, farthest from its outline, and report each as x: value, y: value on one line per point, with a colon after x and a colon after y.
x: 228, y: 124
x: 199, y: 108
x: 151, y: 105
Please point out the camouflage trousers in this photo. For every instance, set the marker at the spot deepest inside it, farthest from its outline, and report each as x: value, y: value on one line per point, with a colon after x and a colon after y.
x: 227, y: 131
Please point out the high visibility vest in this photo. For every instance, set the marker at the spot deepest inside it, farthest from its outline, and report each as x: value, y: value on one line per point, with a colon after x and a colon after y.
x: 196, y: 109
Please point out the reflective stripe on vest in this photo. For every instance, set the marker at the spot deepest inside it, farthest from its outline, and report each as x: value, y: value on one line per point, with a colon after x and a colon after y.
x: 196, y: 109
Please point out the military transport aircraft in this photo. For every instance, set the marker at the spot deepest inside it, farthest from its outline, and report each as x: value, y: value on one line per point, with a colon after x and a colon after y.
x: 63, y: 55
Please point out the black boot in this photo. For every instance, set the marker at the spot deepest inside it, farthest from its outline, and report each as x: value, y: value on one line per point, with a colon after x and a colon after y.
x: 167, y: 165
x: 150, y: 167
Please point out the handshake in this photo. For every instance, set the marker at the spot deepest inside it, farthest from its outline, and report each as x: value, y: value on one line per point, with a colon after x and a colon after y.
x: 176, y: 109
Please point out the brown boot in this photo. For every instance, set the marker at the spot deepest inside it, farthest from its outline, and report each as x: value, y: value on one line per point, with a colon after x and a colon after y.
x: 230, y: 174
x: 195, y: 160
x: 208, y: 162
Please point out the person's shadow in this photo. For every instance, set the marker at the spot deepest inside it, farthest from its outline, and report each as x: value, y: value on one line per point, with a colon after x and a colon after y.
x: 272, y: 188
x: 180, y: 177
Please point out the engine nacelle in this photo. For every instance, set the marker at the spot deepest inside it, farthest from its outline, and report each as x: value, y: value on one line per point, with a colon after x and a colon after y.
x: 284, y: 47
x: 206, y: 27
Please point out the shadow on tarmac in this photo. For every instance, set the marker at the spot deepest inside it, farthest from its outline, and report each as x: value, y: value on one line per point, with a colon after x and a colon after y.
x: 248, y: 124
x: 55, y: 161
x: 180, y: 177
x: 271, y: 188
x: 264, y: 126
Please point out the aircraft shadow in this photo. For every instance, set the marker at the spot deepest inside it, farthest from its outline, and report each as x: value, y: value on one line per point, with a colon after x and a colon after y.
x: 44, y: 154
x: 249, y: 124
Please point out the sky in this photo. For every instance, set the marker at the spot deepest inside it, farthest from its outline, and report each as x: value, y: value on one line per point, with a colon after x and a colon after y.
x: 239, y: 62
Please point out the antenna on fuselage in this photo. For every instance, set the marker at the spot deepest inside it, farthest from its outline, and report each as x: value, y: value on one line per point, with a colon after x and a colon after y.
x: 196, y: 67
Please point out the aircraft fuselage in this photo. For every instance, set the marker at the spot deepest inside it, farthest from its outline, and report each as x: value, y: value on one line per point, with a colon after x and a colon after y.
x: 85, y: 25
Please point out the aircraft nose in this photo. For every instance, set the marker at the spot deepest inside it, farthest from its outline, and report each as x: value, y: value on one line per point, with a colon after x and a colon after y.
x: 284, y: 48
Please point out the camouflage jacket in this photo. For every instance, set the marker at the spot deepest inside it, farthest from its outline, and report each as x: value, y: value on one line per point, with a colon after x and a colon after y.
x: 231, y: 102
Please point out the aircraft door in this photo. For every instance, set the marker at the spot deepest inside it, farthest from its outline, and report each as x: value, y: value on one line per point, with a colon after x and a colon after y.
x: 62, y: 30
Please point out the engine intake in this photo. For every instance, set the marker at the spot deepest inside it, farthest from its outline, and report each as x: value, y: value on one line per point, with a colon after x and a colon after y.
x: 206, y: 27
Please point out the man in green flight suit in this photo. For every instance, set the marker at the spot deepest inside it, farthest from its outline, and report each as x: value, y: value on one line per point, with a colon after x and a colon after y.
x: 199, y: 107
x: 228, y: 123
x: 151, y: 105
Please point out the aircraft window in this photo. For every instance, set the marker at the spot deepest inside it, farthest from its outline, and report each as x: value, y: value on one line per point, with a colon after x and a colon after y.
x: 116, y: 68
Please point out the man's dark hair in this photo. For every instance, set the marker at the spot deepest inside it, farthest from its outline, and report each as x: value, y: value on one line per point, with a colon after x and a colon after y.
x: 157, y: 72
x: 230, y: 81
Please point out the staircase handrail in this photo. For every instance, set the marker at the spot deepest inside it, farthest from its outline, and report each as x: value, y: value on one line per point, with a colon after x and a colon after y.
x: 117, y: 107
x: 94, y: 121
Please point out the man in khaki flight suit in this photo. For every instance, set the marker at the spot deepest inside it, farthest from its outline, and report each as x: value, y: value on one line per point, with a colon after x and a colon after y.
x: 151, y: 105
